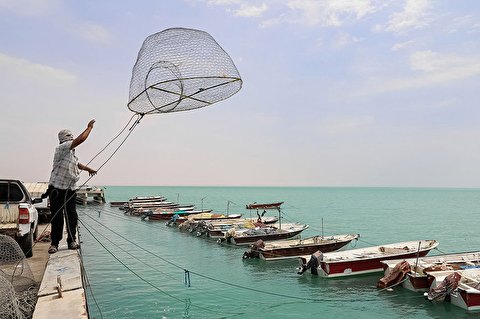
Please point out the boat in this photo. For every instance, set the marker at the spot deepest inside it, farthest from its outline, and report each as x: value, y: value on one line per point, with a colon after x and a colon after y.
x: 147, y: 199
x: 117, y: 204
x: 198, y: 223
x: 218, y: 228
x: 417, y: 271
x: 362, y: 260
x: 206, y: 215
x: 462, y: 287
x: 292, y: 248
x: 171, y: 207
x: 247, y: 236
x: 168, y: 214
x: 255, y: 205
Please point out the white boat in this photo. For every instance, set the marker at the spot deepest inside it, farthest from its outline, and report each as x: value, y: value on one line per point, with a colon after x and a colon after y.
x: 251, y: 235
x: 293, y: 248
x: 417, y: 270
x: 462, y: 286
x: 362, y: 260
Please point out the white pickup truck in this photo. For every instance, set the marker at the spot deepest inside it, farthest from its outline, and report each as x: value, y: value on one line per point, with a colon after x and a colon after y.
x: 18, y: 216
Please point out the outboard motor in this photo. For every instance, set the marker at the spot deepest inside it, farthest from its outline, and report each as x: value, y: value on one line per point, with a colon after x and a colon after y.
x: 172, y: 220
x: 442, y: 292
x: 146, y: 214
x: 253, y: 252
x: 312, y: 264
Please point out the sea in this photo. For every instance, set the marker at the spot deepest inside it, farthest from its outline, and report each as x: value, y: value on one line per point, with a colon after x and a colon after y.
x: 143, y: 269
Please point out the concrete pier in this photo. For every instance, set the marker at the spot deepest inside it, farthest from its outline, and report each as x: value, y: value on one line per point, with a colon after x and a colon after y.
x: 93, y: 193
x: 61, y: 294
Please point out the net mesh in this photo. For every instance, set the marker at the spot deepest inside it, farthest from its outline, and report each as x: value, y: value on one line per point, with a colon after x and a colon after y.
x: 9, y: 308
x: 181, y: 69
x: 18, y: 289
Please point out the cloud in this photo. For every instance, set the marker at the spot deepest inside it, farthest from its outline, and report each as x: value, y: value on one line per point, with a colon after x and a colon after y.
x: 27, y: 70
x: 401, y: 46
x: 429, y: 69
x: 467, y: 23
x: 329, y: 13
x: 429, y: 61
x: 413, y: 16
x: 29, y: 7
x: 94, y: 32
x: 250, y: 10
x: 343, y: 39
x: 223, y: 2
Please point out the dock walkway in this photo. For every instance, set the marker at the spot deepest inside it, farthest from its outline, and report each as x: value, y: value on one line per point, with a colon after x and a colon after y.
x: 92, y: 192
x: 61, y: 294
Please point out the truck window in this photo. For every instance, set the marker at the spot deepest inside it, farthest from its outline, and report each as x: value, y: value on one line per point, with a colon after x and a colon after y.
x: 10, y: 192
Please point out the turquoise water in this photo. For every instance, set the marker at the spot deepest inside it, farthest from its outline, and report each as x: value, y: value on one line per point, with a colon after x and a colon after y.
x: 141, y: 269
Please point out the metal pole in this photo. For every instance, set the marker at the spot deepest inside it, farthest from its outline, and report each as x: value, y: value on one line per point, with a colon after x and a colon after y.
x: 418, y: 255
x: 322, y: 227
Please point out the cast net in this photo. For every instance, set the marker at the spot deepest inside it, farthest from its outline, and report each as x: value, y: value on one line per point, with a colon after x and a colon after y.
x: 18, y: 287
x: 181, y: 69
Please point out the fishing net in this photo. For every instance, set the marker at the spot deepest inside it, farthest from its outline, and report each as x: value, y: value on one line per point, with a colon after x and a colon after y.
x: 181, y: 69
x: 18, y: 287
x: 9, y: 308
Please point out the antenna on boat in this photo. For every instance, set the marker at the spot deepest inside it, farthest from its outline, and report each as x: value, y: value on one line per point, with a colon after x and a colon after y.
x: 322, y: 228
x: 418, y: 256
x: 228, y: 206
x: 279, y: 218
x: 202, y: 201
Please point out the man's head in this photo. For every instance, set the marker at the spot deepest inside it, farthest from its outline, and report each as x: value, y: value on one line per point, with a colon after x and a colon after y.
x: 64, y: 136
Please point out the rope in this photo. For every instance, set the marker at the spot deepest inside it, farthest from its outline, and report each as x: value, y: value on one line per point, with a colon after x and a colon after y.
x: 113, y: 139
x: 139, y: 276
x: 54, y: 214
x: 87, y: 280
x: 208, y: 277
x: 187, y: 278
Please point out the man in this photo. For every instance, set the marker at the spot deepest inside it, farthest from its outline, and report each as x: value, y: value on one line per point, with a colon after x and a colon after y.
x: 62, y: 192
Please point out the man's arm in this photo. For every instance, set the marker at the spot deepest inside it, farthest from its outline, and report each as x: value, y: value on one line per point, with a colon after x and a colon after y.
x: 90, y: 171
x: 82, y: 137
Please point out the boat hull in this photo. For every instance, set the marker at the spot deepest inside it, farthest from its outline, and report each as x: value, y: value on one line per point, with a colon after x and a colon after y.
x: 294, y: 251
x: 247, y: 240
x: 466, y: 299
x: 264, y: 206
x: 358, y: 267
x: 362, y: 260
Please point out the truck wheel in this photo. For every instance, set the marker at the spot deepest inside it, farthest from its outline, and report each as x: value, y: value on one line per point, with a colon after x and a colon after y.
x: 35, y: 234
x: 26, y: 243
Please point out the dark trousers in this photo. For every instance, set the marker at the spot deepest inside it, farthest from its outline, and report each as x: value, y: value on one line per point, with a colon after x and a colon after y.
x: 62, y: 203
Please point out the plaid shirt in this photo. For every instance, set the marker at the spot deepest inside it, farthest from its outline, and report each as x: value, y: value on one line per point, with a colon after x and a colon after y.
x: 65, y: 171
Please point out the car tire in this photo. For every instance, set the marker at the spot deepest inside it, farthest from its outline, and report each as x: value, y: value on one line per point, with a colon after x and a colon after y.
x: 35, y: 233
x: 26, y: 243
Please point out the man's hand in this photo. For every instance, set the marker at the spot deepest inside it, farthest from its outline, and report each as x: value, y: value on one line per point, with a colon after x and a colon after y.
x: 91, y: 172
x: 90, y: 124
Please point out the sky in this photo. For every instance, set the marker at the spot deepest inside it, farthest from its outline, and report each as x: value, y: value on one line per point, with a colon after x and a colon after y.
x: 335, y: 93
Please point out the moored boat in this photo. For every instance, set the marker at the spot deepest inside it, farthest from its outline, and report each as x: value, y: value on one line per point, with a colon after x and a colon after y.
x: 160, y: 209
x: 362, y: 260
x: 256, y: 205
x: 292, y: 248
x: 418, y: 275
x: 168, y: 214
x: 198, y: 223
x: 249, y: 236
x: 147, y: 198
x: 117, y: 204
x: 461, y: 286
